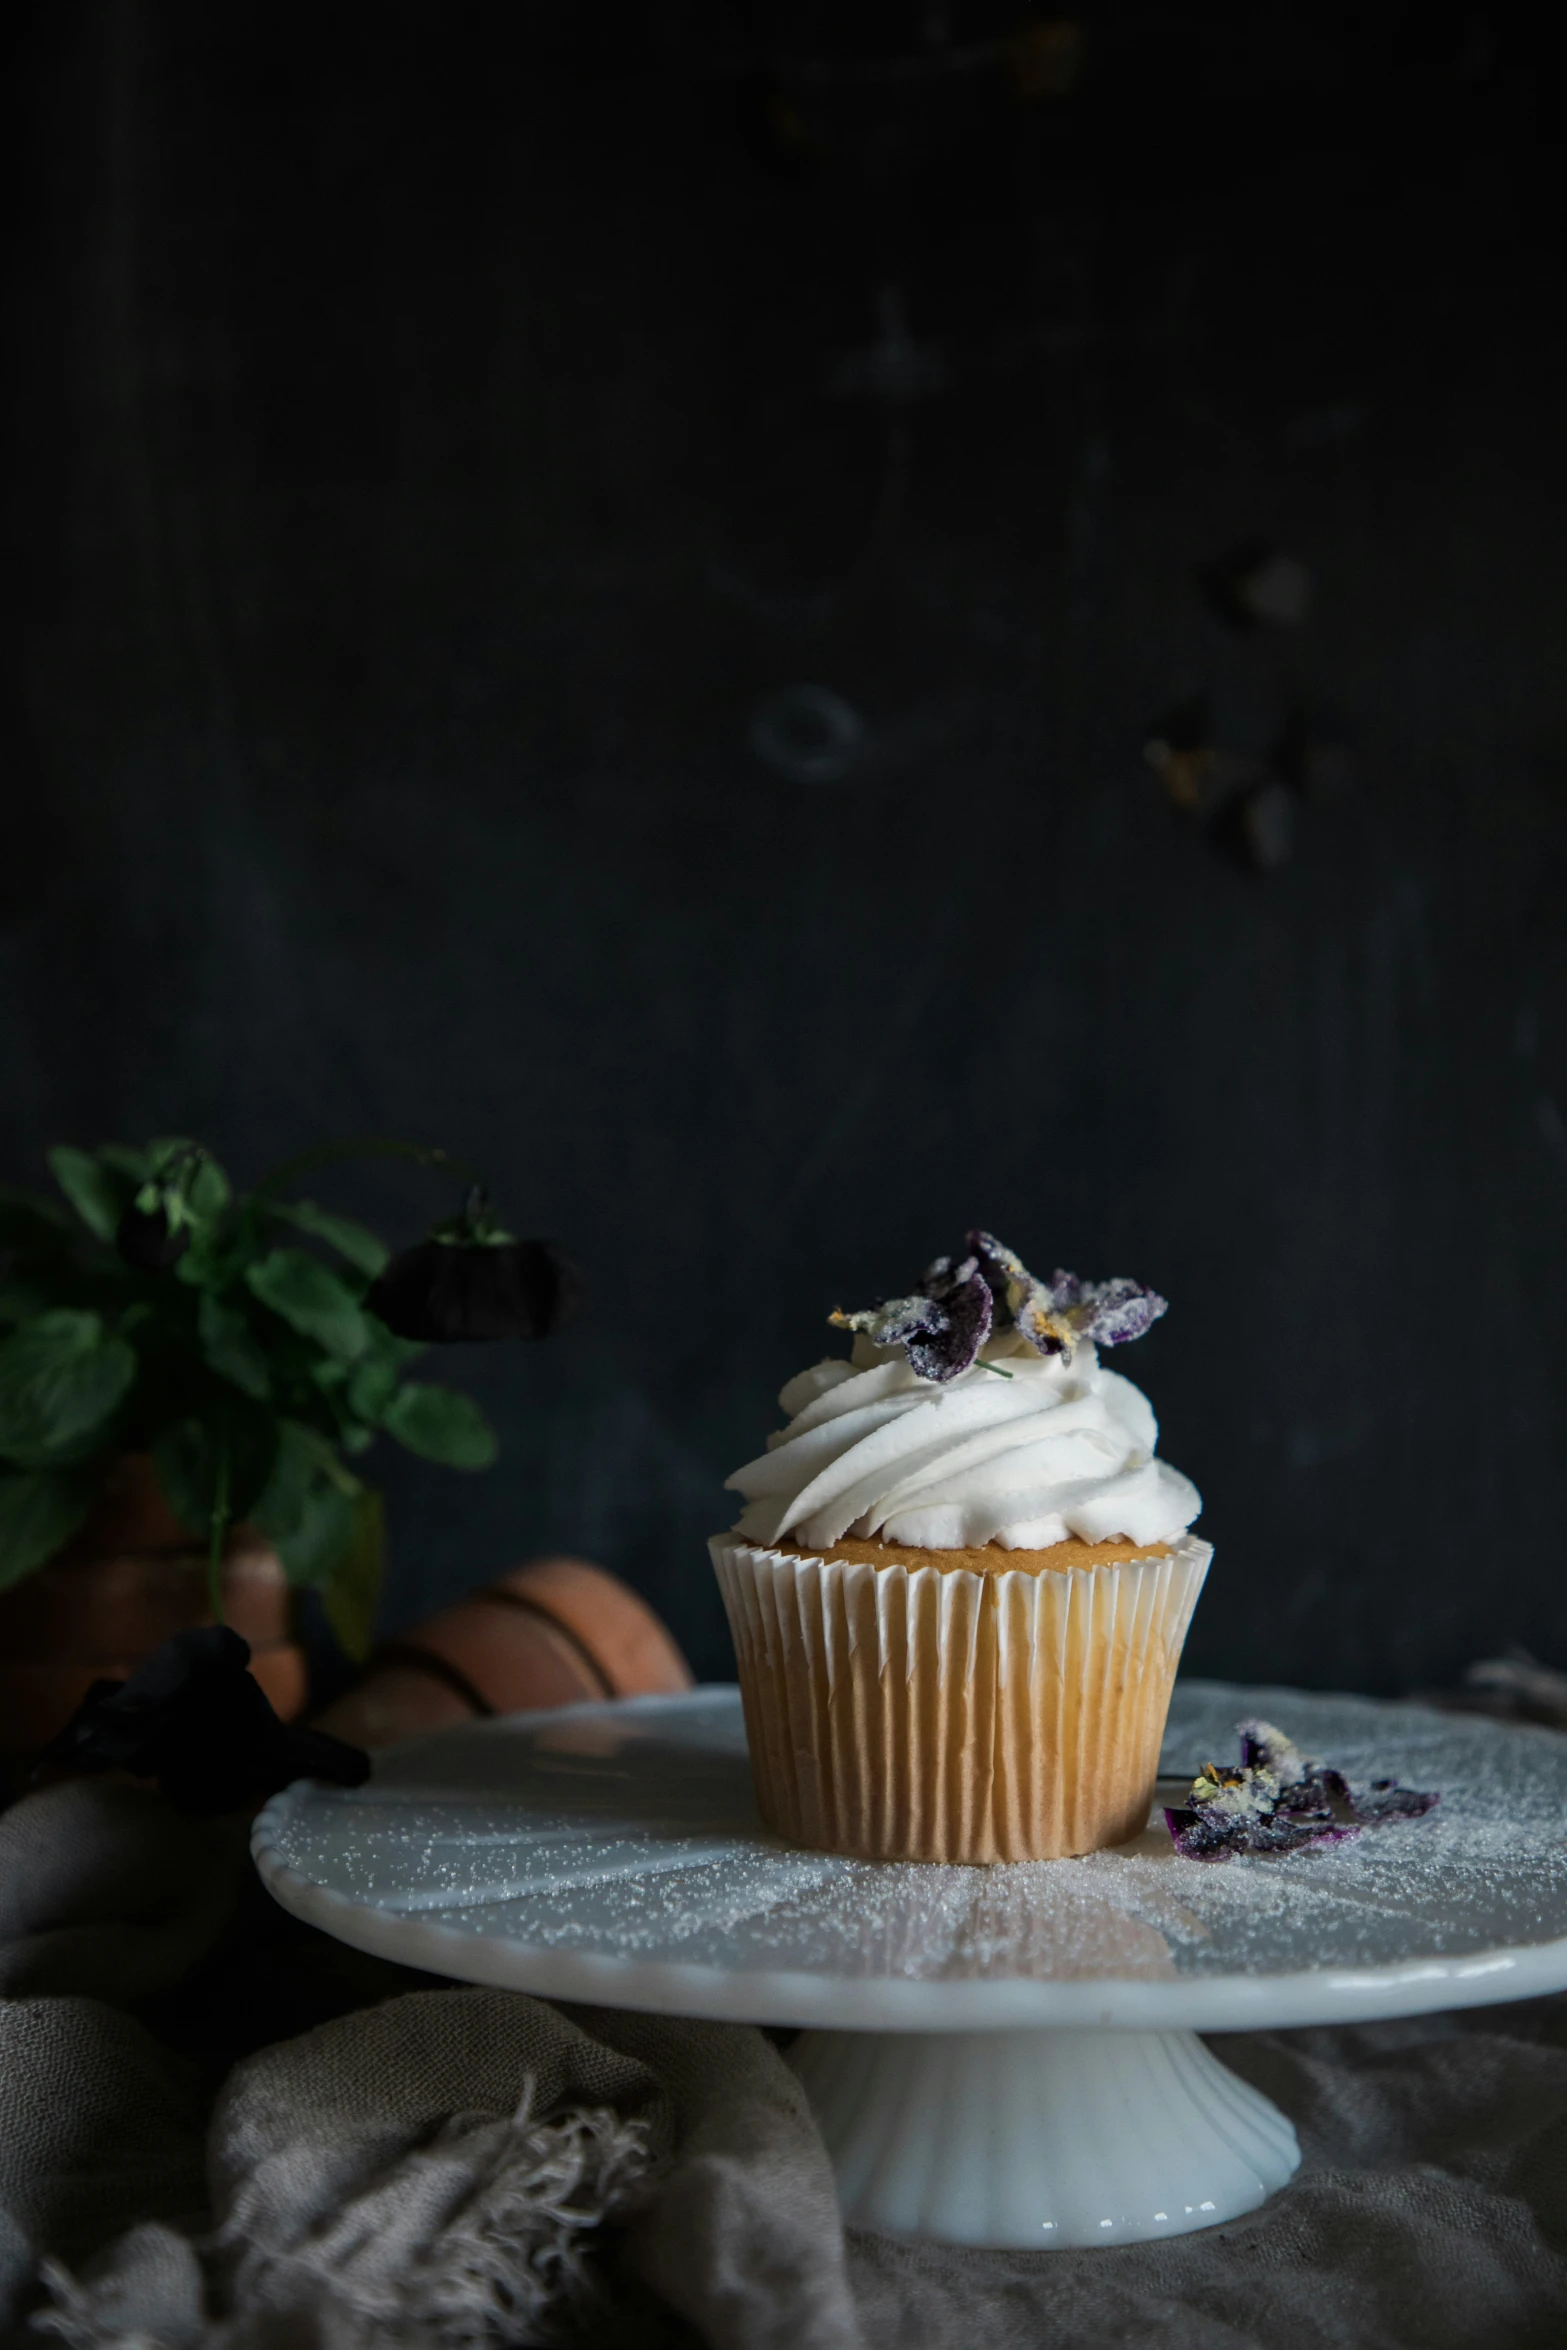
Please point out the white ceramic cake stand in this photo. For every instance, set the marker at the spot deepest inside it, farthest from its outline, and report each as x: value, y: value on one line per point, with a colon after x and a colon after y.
x: 1000, y: 2056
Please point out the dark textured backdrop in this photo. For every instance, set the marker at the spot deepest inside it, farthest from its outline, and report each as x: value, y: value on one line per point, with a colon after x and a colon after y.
x: 430, y: 438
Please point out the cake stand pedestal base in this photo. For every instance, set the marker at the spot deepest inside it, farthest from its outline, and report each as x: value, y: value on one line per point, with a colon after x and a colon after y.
x: 1040, y: 2139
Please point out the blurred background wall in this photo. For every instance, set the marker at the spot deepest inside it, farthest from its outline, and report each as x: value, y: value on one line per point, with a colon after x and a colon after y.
x: 444, y: 441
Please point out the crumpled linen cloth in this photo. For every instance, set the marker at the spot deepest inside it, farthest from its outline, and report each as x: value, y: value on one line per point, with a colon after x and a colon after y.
x: 223, y: 2131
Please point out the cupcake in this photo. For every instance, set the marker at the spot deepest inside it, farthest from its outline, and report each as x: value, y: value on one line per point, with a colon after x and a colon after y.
x: 961, y: 1579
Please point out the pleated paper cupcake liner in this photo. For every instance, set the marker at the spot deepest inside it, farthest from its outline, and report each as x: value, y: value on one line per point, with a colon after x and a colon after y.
x: 925, y: 1714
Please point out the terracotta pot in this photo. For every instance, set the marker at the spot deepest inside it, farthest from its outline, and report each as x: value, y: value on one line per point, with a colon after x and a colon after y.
x: 554, y: 1632
x: 131, y: 1577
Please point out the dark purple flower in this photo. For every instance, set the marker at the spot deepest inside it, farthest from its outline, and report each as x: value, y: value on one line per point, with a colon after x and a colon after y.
x: 148, y: 1239
x: 193, y: 1718
x: 442, y: 1291
x: 471, y: 1280
x: 1280, y: 1799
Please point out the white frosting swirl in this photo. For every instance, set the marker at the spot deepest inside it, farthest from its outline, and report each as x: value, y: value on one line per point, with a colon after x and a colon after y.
x: 1023, y: 1460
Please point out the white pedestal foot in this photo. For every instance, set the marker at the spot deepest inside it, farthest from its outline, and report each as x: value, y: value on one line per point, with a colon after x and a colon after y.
x: 1040, y: 2139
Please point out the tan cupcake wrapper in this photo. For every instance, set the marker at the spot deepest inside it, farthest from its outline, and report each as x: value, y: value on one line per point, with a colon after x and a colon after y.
x: 930, y: 1714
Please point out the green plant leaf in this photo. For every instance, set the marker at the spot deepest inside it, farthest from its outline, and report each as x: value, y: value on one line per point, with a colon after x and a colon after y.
x: 39, y: 1510
x: 373, y: 1380
x: 440, y: 1425
x: 353, y: 1241
x: 230, y: 1346
x: 62, y: 1378
x: 303, y: 1457
x: 190, y: 1452
x: 320, y: 1534
x: 308, y: 1507
x: 210, y: 1262
x: 90, y: 1188
x: 311, y: 1298
x: 164, y: 1149
x: 126, y: 1160
x: 210, y: 1192
x: 351, y: 1593
x: 278, y: 1510
x: 372, y: 1387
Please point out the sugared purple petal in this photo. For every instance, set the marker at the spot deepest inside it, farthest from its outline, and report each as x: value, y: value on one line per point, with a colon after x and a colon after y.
x: 940, y: 1335
x: 1197, y: 1835
x: 946, y: 1274
x: 894, y: 1322
x: 961, y: 1298
x: 1118, y: 1311
x: 1265, y: 1748
x: 1279, y: 1800
x: 1385, y: 1800
x: 1005, y: 1273
x: 1034, y: 1317
x: 943, y: 1355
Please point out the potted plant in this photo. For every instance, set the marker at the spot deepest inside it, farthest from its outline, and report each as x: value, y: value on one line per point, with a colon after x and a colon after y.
x: 188, y: 1376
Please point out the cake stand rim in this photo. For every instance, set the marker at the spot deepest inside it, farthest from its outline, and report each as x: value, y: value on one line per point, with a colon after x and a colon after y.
x: 1213, y: 2004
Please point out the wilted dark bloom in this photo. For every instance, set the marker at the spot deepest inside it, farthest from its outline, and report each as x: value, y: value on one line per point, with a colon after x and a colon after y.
x: 1280, y: 1799
x: 146, y: 1240
x: 193, y: 1718
x: 444, y: 1290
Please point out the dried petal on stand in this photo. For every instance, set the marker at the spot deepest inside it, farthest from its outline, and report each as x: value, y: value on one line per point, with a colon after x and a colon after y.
x: 1279, y: 1799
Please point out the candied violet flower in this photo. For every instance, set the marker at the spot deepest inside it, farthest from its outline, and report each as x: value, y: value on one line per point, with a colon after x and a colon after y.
x: 1055, y: 1316
x: 941, y: 1333
x: 193, y: 1718
x: 471, y: 1280
x: 1280, y: 1799
x: 961, y: 1299
x: 1115, y: 1312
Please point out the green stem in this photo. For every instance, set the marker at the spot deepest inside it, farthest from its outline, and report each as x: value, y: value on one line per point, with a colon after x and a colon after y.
x: 217, y: 1531
x: 996, y: 1367
x: 361, y: 1146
